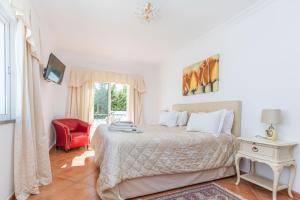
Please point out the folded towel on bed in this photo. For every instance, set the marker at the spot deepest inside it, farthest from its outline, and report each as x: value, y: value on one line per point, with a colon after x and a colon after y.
x: 124, y: 126
x: 127, y: 130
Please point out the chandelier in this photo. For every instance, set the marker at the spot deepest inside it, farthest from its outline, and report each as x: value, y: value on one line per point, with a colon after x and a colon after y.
x: 147, y: 12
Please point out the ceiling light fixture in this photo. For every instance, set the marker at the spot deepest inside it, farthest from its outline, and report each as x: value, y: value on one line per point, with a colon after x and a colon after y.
x: 147, y: 12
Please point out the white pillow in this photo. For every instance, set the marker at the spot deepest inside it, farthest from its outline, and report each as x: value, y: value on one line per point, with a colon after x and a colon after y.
x: 182, y: 118
x: 168, y: 119
x: 211, y: 122
x: 228, y: 122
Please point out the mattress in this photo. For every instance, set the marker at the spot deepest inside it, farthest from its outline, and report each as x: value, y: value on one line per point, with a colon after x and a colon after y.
x: 157, y: 151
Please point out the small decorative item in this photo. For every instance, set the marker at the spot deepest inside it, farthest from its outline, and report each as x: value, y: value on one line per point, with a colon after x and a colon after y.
x: 147, y: 11
x: 202, y: 77
x: 271, y: 117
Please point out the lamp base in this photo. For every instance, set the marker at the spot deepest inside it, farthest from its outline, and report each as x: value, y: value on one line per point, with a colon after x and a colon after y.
x: 271, y: 133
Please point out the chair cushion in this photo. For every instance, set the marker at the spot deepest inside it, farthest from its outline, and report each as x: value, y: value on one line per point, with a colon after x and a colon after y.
x: 79, y: 139
x: 78, y: 134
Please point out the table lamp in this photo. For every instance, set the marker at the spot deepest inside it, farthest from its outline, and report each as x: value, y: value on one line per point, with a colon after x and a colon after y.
x: 271, y: 117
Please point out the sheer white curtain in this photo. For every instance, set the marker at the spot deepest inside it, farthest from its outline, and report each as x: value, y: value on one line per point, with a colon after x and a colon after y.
x: 31, y: 152
x: 81, y: 102
x: 136, y: 104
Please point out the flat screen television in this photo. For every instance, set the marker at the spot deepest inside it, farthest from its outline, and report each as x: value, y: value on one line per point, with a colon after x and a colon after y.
x: 55, y: 70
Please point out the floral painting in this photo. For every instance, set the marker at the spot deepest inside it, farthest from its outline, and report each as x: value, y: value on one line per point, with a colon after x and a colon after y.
x: 202, y: 77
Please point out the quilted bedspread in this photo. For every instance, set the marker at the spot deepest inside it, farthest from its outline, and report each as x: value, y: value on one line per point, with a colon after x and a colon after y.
x: 158, y: 150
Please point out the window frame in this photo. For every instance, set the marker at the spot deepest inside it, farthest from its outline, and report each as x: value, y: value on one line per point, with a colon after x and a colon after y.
x: 5, y: 19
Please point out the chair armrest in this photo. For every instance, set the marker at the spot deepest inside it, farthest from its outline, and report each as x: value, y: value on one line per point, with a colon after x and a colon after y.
x: 84, y: 126
x: 61, y: 128
x: 63, y: 136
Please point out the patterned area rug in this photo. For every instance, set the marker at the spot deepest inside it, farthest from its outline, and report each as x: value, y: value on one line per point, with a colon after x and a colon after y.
x: 210, y: 191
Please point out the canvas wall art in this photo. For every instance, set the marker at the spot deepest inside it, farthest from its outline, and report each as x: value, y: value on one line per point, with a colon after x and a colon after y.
x: 202, y: 77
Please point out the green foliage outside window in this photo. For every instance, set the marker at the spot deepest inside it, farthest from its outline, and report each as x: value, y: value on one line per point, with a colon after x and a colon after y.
x: 118, y: 99
x: 101, y: 101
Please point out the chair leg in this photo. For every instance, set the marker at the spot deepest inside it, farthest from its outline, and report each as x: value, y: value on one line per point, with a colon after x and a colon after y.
x: 67, y: 150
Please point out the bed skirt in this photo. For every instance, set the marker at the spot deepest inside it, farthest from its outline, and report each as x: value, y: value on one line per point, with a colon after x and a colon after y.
x: 153, y: 184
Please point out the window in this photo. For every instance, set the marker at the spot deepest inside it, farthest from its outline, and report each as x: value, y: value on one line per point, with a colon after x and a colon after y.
x: 4, y: 67
x: 110, y: 102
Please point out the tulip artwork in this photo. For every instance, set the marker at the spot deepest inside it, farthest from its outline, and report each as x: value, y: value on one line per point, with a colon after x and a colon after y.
x: 202, y: 77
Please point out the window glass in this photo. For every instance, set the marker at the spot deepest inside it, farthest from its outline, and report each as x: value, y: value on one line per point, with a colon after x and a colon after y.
x: 101, y: 100
x: 110, y: 102
x: 2, y: 69
x: 118, y: 97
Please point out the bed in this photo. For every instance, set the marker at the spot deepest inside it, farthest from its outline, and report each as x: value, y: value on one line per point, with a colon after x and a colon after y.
x: 163, y: 158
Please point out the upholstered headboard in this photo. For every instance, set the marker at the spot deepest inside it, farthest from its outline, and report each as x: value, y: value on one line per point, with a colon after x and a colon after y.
x: 236, y: 106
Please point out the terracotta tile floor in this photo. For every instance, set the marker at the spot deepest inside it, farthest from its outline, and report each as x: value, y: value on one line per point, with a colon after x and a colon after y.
x: 75, y: 176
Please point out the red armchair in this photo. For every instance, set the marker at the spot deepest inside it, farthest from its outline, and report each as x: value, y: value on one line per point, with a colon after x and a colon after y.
x: 71, y: 133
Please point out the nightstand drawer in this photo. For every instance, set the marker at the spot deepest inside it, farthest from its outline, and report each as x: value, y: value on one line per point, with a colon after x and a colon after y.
x: 257, y: 149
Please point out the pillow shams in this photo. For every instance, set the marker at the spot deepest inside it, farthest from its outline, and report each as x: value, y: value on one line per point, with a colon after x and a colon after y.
x: 228, y: 122
x: 211, y: 122
x: 168, y: 119
x: 182, y: 118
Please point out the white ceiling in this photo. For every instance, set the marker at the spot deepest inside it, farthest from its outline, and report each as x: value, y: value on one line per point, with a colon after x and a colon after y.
x: 110, y: 28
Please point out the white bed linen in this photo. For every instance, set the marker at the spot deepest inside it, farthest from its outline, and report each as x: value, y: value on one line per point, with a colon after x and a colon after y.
x: 159, y: 150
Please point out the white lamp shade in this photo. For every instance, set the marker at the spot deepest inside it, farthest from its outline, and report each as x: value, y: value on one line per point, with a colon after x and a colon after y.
x: 271, y: 116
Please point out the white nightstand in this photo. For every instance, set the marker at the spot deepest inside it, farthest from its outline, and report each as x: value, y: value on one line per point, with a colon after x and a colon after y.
x: 276, y: 154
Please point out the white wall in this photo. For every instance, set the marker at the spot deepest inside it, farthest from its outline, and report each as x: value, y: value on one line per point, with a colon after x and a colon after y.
x: 6, y: 167
x: 48, y: 89
x: 75, y: 60
x: 259, y: 65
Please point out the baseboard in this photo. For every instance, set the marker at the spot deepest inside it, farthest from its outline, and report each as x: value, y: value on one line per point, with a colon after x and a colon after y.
x: 296, y: 195
x: 51, y: 146
x: 11, y: 197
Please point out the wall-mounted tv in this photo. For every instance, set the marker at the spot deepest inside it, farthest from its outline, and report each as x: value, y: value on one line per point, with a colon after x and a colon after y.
x: 55, y: 70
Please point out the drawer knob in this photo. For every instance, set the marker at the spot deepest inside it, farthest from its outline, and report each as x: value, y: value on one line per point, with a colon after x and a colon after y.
x: 254, y: 149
